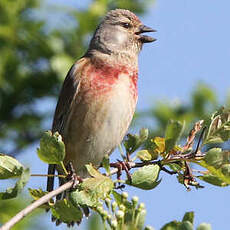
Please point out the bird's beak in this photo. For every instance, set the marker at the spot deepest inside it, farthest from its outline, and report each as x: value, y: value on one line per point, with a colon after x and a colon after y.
x: 145, y: 38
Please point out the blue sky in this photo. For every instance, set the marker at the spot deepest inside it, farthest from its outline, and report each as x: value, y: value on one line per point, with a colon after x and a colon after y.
x: 192, y: 46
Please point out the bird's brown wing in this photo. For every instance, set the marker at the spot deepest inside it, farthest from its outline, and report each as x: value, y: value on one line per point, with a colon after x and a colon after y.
x: 67, y: 96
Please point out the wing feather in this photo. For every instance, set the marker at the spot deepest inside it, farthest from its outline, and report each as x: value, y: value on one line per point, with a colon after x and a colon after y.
x: 66, y: 99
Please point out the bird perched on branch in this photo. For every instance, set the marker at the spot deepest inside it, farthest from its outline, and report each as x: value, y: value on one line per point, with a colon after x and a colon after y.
x: 99, y: 95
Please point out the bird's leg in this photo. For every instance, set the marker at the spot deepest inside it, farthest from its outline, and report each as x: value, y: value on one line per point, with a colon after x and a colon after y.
x: 72, y: 175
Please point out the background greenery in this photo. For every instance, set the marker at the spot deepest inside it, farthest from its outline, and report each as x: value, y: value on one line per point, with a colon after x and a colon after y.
x: 35, y: 56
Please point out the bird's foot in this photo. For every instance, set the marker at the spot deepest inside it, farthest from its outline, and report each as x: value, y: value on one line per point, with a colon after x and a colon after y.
x: 72, y: 175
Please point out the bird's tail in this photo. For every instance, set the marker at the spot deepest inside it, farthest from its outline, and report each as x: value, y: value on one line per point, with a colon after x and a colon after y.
x: 50, y: 180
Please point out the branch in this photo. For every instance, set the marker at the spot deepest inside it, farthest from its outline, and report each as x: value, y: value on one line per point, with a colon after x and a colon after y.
x: 191, y: 156
x: 36, y: 204
x: 48, y: 175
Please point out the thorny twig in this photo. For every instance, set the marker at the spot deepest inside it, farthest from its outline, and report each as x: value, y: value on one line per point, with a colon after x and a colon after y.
x: 189, y: 178
x: 192, y: 134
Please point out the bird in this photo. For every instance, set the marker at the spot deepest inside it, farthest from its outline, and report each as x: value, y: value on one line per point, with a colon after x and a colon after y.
x: 99, y: 94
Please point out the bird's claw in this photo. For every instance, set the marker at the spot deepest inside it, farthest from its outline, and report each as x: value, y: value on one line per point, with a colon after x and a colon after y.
x: 73, y: 176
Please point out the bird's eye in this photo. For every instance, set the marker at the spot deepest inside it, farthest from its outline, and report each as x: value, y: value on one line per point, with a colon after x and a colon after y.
x: 126, y: 25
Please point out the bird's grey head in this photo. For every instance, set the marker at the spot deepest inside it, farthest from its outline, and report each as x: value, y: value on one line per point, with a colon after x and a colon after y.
x: 120, y: 32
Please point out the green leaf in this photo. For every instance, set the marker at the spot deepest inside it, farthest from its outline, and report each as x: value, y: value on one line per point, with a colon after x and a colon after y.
x: 93, y: 172
x: 159, y: 143
x: 144, y: 155
x: 92, y: 190
x: 189, y: 216
x: 65, y: 211
x: 186, y: 225
x: 81, y: 197
x: 145, y: 177
x: 175, y: 167
x: 219, y: 127
x: 105, y: 163
x: 99, y: 187
x: 216, y: 177
x: 20, y: 184
x: 143, y: 134
x: 173, y: 132
x: 174, y: 225
x: 37, y: 193
x: 133, y: 142
x: 212, y: 179
x: 148, y: 228
x: 217, y: 163
x: 52, y: 148
x: 204, y: 226
x: 214, y: 157
x: 9, y: 167
x: 225, y: 169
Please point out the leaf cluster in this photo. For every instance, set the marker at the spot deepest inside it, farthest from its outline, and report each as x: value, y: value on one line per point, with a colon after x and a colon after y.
x: 186, y: 224
x: 98, y: 192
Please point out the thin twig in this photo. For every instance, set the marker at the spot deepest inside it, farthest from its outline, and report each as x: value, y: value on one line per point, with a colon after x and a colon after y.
x: 192, y: 134
x: 141, y: 164
x: 48, y: 175
x: 131, y: 165
x: 36, y: 204
x: 200, y: 139
x: 184, y: 157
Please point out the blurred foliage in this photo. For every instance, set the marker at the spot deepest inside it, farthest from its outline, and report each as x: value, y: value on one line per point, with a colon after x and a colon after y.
x: 201, y: 105
x: 94, y: 223
x: 185, y: 224
x: 9, y: 208
x: 35, y: 56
